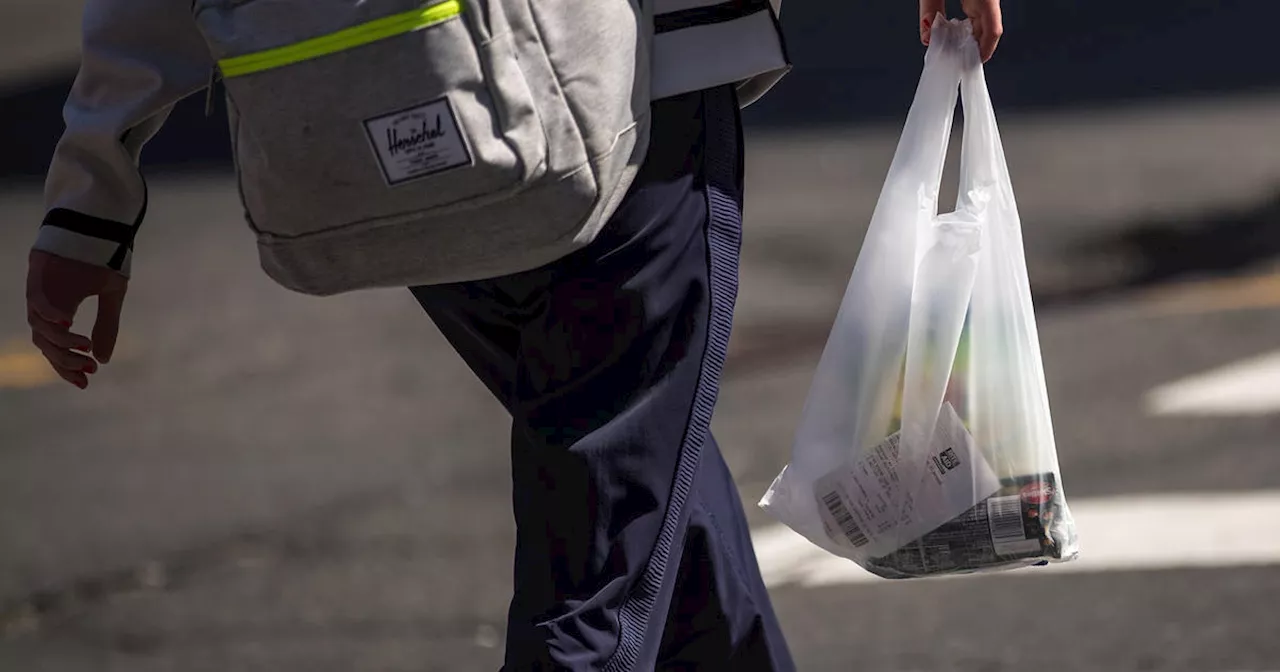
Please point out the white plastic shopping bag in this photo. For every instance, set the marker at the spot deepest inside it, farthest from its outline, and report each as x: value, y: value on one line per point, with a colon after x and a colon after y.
x: 926, y: 445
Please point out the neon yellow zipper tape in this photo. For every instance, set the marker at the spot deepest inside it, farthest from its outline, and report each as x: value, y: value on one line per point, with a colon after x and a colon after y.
x: 349, y: 38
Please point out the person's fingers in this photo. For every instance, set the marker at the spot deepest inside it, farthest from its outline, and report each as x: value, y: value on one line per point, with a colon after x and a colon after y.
x: 80, y: 380
x: 60, y: 336
x: 63, y: 360
x: 929, y: 10
x: 106, y: 328
x: 979, y: 33
x: 40, y: 309
x: 990, y: 39
x: 987, y: 36
x: 987, y: 27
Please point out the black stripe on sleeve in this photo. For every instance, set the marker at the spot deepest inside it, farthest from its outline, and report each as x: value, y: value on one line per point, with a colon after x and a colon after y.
x: 702, y: 16
x: 89, y: 225
x: 117, y: 259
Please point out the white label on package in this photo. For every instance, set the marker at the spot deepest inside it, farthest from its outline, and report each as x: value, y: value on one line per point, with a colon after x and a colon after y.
x: 860, y: 502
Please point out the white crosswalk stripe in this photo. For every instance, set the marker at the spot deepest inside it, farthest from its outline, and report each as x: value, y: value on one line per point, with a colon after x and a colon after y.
x: 1250, y: 387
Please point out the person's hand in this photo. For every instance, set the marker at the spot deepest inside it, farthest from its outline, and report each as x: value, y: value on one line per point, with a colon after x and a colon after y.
x: 56, y: 286
x: 984, y: 15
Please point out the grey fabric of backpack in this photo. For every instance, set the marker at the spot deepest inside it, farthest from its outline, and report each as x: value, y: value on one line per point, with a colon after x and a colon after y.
x: 391, y: 143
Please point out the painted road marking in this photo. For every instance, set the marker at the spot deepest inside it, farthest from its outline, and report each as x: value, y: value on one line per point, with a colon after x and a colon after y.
x: 1250, y: 387
x: 23, y: 367
x: 1118, y: 533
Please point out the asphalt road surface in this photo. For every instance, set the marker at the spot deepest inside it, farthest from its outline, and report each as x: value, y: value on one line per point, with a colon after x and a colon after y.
x: 264, y: 481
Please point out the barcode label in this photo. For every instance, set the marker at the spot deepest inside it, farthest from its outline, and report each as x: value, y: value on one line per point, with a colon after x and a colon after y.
x: 844, y: 518
x: 1006, y: 520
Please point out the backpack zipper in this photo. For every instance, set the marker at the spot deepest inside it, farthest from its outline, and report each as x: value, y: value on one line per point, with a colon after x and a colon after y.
x: 349, y: 38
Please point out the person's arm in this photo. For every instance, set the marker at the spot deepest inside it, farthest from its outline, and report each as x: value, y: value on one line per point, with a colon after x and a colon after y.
x: 983, y: 14
x: 138, y: 59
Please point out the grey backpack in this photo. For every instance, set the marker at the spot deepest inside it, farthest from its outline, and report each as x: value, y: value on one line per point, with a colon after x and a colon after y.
x: 383, y: 143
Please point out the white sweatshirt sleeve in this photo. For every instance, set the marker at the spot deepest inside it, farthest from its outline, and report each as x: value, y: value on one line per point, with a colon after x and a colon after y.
x: 138, y: 59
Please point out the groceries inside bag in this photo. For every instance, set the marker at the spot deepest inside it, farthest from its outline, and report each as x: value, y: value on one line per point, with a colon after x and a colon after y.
x: 926, y: 444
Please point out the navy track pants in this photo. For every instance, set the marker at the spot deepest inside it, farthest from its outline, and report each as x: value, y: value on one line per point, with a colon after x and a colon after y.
x: 632, y: 549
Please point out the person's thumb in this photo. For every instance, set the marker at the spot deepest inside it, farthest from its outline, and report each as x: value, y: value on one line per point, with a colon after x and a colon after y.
x: 929, y: 12
x: 106, y: 329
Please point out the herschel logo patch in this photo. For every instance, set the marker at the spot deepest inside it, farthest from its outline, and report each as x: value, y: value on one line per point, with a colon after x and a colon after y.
x: 418, y: 141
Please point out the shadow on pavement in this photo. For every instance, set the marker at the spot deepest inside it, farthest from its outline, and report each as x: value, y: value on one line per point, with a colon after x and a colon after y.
x: 1158, y: 251
x: 1139, y: 256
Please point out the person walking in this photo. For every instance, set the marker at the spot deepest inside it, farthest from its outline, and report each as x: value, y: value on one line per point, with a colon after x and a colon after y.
x: 632, y: 550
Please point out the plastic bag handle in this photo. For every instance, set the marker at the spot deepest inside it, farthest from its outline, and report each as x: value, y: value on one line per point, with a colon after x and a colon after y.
x: 984, y: 175
x: 922, y: 146
x: 953, y: 60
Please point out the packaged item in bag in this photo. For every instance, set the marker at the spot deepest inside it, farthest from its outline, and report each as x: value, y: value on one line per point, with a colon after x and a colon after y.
x: 926, y: 445
x: 1013, y: 525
